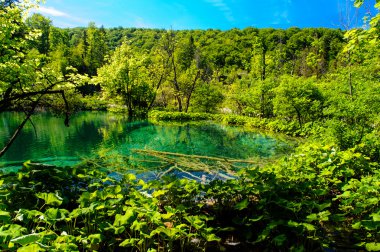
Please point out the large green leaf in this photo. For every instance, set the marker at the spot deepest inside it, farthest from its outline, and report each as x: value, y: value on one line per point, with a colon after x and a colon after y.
x: 212, y: 237
x: 373, y: 246
x: 31, y: 248
x: 5, y: 216
x: 26, y: 239
x: 95, y: 238
x: 195, y: 221
x: 8, y: 232
x: 375, y: 216
x: 312, y: 217
x: 308, y: 226
x: 54, y: 214
x: 126, y: 219
x: 129, y: 242
x: 52, y: 199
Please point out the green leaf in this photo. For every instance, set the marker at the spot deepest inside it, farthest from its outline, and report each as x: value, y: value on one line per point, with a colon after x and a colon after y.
x: 375, y: 216
x: 32, y: 247
x: 159, y: 193
x: 257, y: 219
x: 370, y: 225
x: 312, y: 217
x: 195, y: 221
x: 324, y: 206
x: 126, y: 219
x: 212, y: 237
x: 26, y: 239
x: 293, y: 224
x: 308, y: 226
x: 50, y: 198
x: 139, y: 226
x: 5, y: 216
x: 66, y: 247
x: 372, y: 246
x: 242, y: 205
x: 357, y: 225
x: 95, y: 238
x: 8, y: 232
x: 131, y: 177
x: 280, y: 240
x: 324, y: 216
x: 129, y: 242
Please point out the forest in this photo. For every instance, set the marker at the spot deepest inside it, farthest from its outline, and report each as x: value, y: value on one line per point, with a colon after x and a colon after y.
x: 320, y: 86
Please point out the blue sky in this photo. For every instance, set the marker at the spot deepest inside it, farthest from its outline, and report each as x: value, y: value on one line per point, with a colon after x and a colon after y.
x: 199, y: 14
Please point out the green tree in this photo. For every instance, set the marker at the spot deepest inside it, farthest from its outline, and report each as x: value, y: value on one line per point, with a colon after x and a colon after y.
x: 122, y: 79
x: 57, y: 38
x: 299, y: 99
x: 168, y: 47
x: 207, y: 97
x: 78, y: 53
x: 96, y: 48
x: 185, y: 63
x: 42, y: 24
x: 24, y: 81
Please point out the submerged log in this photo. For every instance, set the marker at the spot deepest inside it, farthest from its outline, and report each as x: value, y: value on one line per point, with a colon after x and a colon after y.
x: 152, y: 152
x: 189, y: 165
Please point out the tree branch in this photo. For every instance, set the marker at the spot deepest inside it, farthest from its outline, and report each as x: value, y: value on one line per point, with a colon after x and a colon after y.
x: 30, y: 113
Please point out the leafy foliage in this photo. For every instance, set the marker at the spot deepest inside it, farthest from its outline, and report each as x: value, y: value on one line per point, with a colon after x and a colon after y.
x: 320, y: 197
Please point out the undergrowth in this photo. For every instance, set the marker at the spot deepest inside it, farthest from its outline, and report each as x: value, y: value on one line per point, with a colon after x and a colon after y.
x: 319, y: 198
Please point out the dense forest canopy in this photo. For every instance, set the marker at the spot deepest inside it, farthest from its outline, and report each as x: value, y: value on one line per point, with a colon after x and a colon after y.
x: 177, y: 63
x: 292, y: 74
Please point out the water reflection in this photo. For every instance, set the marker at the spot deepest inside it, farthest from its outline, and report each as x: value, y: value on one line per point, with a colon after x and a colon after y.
x: 90, y: 133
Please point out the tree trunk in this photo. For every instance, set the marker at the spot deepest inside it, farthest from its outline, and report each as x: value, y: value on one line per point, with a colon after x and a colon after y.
x: 262, y: 104
x: 263, y: 72
x: 176, y: 86
x: 191, y: 91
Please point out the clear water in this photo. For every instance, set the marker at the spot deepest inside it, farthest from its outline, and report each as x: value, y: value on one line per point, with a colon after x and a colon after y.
x: 90, y: 133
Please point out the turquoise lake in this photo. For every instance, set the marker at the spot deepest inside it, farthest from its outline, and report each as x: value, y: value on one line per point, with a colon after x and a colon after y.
x: 90, y: 133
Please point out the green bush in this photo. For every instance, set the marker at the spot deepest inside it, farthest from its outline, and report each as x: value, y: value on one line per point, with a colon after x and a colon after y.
x: 179, y: 116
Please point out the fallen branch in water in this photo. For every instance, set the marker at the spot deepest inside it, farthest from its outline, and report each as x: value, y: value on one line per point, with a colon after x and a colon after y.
x: 224, y: 168
x: 194, y: 156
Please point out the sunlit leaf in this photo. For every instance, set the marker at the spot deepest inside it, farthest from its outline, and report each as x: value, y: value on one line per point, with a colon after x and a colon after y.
x: 212, y: 237
x: 126, y: 219
x: 373, y: 246
x: 26, y: 239
x: 30, y: 248
x: 52, y: 199
x: 129, y: 242
x: 242, y: 205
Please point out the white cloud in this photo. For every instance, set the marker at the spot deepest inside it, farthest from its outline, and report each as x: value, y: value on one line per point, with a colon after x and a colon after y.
x: 60, y: 18
x: 224, y: 8
x: 139, y: 22
x: 281, y: 15
x: 51, y: 11
x: 130, y: 19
